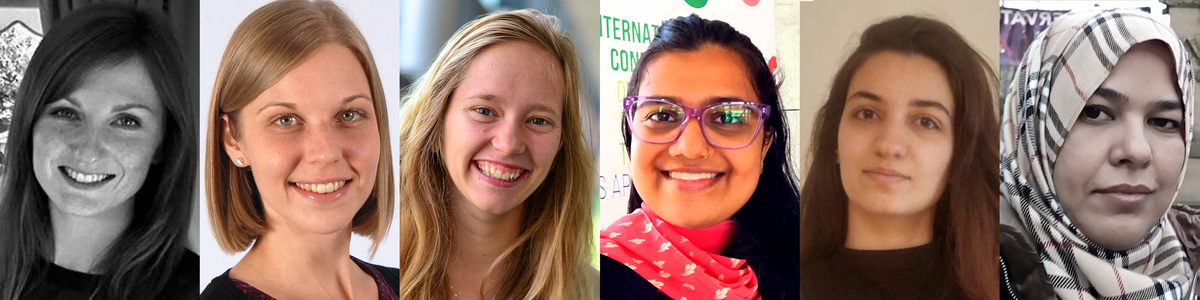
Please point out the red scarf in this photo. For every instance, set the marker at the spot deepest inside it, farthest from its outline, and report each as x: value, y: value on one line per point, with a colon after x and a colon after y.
x: 682, y: 263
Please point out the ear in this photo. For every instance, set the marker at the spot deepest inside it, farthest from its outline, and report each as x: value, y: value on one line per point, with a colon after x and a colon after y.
x: 768, y: 139
x: 232, y: 147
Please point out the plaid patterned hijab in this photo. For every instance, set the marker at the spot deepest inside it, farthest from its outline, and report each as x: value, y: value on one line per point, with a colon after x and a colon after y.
x: 1059, y: 72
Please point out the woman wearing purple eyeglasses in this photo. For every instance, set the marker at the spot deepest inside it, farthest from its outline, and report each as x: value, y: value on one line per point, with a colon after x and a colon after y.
x: 713, y: 209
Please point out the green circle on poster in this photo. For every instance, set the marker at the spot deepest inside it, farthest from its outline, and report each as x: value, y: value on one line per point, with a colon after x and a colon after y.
x: 696, y: 3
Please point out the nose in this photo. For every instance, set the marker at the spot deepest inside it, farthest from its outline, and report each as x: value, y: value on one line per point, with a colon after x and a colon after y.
x: 509, y: 137
x: 691, y: 142
x: 87, y: 145
x: 1131, y: 147
x: 321, y: 145
x: 891, y: 141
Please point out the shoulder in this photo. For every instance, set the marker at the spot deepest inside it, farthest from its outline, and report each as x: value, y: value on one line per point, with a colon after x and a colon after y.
x: 619, y: 282
x: 222, y: 288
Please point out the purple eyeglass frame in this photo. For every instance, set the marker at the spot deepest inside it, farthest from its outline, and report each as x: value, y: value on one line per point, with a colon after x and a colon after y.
x: 693, y: 113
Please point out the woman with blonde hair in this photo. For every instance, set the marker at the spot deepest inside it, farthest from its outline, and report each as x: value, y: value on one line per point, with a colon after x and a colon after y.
x: 495, y: 174
x: 298, y: 157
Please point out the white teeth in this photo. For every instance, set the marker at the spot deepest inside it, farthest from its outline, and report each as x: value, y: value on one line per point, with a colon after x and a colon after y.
x: 692, y: 176
x: 499, y: 172
x: 321, y: 188
x: 85, y: 177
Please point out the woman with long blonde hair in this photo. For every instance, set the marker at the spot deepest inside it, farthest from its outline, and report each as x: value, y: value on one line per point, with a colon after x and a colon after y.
x: 496, y: 178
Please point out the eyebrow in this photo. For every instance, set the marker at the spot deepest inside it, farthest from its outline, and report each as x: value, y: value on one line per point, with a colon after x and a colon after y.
x: 916, y: 103
x: 129, y: 106
x: 1120, y: 99
x: 292, y: 106
x: 490, y: 97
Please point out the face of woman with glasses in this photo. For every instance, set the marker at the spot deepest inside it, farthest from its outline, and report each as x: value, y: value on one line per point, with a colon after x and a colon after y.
x: 502, y: 127
x: 895, y: 137
x: 689, y: 181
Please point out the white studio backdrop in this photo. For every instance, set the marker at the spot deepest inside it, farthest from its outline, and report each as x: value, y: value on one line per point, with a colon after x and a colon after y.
x: 379, y: 23
x: 627, y: 26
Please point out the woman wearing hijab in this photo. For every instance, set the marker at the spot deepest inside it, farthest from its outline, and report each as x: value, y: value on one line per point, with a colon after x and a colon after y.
x: 1094, y: 140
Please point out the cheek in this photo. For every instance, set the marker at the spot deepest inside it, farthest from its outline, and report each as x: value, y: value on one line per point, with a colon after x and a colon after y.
x: 933, y: 156
x: 1168, y: 158
x: 642, y: 157
x: 363, y: 148
x: 544, y: 147
x: 1078, y: 161
x: 135, y: 152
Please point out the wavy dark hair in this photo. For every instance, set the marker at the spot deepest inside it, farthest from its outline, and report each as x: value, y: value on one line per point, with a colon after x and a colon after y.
x: 967, y: 213
x: 767, y: 223
x: 137, y: 263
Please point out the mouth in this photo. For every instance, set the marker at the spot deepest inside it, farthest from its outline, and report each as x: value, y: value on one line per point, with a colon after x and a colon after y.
x: 85, y: 178
x: 322, y: 188
x: 1127, y: 193
x: 886, y: 176
x: 691, y: 176
x: 498, y: 171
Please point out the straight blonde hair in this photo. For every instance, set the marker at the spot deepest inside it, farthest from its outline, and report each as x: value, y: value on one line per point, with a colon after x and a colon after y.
x: 550, y: 259
x: 268, y: 44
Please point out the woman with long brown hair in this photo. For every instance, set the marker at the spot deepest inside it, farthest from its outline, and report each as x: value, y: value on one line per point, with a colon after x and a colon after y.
x: 899, y: 200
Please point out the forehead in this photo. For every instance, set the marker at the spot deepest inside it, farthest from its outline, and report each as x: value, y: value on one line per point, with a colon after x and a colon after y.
x: 695, y: 77
x: 119, y: 83
x: 900, y: 79
x: 1145, y: 73
x: 327, y: 76
x: 515, y: 73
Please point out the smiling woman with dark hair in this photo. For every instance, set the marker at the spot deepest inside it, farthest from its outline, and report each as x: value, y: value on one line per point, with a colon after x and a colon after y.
x: 100, y: 174
x: 713, y: 208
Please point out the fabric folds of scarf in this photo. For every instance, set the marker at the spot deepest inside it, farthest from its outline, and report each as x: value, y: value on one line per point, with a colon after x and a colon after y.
x: 1059, y: 72
x: 676, y: 266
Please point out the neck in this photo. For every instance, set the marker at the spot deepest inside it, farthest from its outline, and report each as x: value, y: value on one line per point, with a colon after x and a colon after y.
x: 867, y: 231
x: 479, y: 238
x: 285, y: 255
x: 81, y: 242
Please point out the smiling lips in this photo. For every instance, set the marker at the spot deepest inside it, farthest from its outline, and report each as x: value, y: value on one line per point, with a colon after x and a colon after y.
x: 498, y: 171
x: 691, y: 176
x: 321, y: 188
x: 83, y: 177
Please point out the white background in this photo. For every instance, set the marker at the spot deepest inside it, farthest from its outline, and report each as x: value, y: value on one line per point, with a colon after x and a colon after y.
x: 379, y: 22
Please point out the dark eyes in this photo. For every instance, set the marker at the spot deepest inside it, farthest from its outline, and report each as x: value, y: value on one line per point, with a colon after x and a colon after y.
x: 1095, y: 113
x: 124, y: 121
x: 485, y: 111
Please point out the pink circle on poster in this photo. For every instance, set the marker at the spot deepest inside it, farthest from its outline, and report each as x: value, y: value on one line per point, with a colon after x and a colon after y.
x: 771, y: 64
x: 751, y: 2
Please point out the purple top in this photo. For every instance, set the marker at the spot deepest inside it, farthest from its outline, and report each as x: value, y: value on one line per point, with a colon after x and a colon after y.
x: 385, y: 293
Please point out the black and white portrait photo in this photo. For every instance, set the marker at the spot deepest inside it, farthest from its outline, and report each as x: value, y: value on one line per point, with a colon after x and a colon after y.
x: 98, y: 149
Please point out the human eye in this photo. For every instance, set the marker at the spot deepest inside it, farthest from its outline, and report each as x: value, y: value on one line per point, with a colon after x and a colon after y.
x: 484, y: 111
x: 928, y: 123
x: 127, y: 122
x: 865, y: 114
x: 350, y: 115
x: 1164, y: 125
x: 64, y: 113
x: 1093, y: 114
x: 285, y: 120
